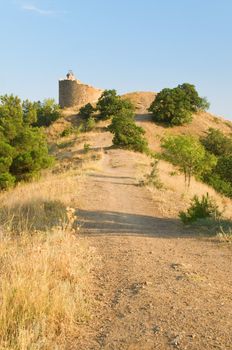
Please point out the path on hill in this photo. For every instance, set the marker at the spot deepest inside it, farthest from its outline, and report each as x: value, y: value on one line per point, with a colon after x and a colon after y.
x: 155, y: 288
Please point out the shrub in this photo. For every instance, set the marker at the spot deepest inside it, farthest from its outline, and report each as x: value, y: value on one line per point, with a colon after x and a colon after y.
x: 86, y: 148
x: 6, y: 181
x: 217, y: 143
x: 126, y: 133
x: 87, y: 111
x: 176, y: 106
x: 153, y: 178
x: 224, y: 187
x: 224, y: 168
x: 69, y: 131
x: 89, y: 124
x: 200, y: 208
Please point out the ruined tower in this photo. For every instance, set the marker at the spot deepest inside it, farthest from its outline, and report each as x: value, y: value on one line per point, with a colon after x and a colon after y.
x: 73, y: 93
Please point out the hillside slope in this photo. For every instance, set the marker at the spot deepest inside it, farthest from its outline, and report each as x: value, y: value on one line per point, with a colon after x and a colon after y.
x: 142, y: 100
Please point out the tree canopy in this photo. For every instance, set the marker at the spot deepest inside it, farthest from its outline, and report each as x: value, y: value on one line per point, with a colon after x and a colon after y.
x: 188, y: 155
x: 23, y: 148
x: 176, y: 106
x: 110, y: 104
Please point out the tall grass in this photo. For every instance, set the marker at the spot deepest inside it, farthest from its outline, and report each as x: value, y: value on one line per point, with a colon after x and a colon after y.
x: 43, y: 266
x: 42, y: 290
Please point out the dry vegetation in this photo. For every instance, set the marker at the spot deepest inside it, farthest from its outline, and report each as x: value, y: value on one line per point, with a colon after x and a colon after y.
x: 44, y: 284
x: 175, y: 197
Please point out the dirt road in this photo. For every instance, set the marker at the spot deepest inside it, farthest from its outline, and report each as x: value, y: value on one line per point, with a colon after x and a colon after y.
x: 155, y: 286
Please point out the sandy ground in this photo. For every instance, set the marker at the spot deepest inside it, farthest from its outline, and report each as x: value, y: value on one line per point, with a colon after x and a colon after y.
x: 155, y: 286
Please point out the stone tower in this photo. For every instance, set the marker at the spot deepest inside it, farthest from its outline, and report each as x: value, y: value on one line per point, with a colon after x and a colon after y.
x: 73, y: 93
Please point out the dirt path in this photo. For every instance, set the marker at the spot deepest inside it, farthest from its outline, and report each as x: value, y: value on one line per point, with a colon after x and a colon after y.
x: 155, y: 287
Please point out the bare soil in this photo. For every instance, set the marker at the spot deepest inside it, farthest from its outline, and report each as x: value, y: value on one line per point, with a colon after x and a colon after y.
x: 156, y: 286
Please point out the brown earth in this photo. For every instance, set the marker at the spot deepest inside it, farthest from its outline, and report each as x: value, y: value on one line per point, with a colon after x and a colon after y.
x: 156, y: 286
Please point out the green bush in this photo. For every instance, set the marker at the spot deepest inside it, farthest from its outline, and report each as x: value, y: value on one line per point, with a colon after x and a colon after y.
x: 6, y: 181
x: 69, y: 131
x: 23, y: 148
x: 86, y: 148
x: 89, y: 124
x: 224, y: 168
x: 176, y: 106
x: 87, y: 111
x: 220, y: 185
x: 217, y: 143
x: 153, y: 179
x: 200, y: 208
x: 126, y: 133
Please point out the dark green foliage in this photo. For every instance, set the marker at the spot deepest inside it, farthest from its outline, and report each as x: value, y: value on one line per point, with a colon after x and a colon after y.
x: 176, y: 106
x: 220, y: 185
x: 224, y: 168
x: 200, y: 208
x: 23, y: 148
x: 47, y: 113
x: 110, y: 104
x: 188, y: 155
x: 89, y: 124
x: 217, y: 143
x: 29, y: 112
x: 87, y: 111
x: 220, y: 177
x: 70, y: 130
x: 126, y: 133
x: 6, y: 181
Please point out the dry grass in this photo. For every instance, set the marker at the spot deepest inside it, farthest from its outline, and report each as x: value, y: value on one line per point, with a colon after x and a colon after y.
x: 43, y: 275
x: 175, y: 197
x: 63, y: 187
x: 43, y: 291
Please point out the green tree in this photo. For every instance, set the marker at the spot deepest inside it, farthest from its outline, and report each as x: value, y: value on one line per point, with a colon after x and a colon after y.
x: 11, y: 116
x: 188, y: 155
x: 29, y: 112
x: 216, y: 142
x: 110, y: 104
x: 32, y: 154
x: 176, y: 106
x: 47, y: 112
x: 23, y: 148
x: 126, y: 133
x: 87, y: 111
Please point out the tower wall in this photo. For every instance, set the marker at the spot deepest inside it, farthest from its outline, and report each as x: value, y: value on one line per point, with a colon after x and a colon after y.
x: 72, y: 93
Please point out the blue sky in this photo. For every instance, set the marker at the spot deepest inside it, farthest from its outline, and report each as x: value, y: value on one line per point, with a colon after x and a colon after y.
x: 123, y: 44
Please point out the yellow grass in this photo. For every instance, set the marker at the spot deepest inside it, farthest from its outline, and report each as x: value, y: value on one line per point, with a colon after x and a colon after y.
x: 43, y: 291
x: 175, y: 197
x: 43, y: 275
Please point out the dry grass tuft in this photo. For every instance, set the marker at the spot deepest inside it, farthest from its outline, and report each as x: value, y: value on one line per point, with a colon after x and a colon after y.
x: 43, y: 291
x: 44, y: 275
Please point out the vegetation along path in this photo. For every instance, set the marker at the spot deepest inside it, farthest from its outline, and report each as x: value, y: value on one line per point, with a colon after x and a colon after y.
x: 156, y: 287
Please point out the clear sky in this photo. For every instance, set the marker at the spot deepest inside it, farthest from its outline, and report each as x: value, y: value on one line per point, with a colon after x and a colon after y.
x: 129, y: 45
